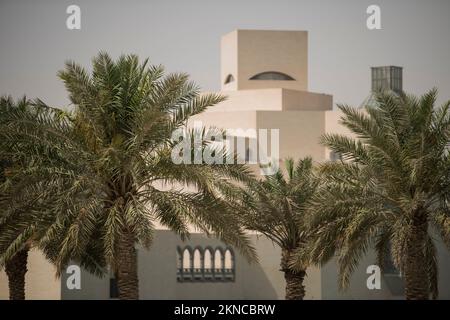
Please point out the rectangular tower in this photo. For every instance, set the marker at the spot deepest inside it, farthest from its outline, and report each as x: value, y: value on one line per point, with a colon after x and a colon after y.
x: 260, y: 59
x: 387, y: 78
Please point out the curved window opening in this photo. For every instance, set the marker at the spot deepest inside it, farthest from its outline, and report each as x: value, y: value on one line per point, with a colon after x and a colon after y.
x: 208, y: 259
x: 218, y: 260
x: 187, y: 259
x: 197, y: 263
x: 228, y: 260
x: 205, y: 264
x: 197, y: 259
x: 229, y: 78
x: 272, y: 75
x: 229, y: 265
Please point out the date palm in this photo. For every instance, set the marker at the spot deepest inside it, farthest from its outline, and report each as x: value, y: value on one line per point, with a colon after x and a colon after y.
x: 24, y: 204
x: 16, y: 266
x: 275, y: 207
x: 390, y: 193
x: 106, y: 168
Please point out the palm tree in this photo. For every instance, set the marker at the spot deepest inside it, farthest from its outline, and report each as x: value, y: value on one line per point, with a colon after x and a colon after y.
x: 22, y: 203
x: 391, y: 192
x: 16, y: 266
x: 106, y: 170
x: 275, y: 207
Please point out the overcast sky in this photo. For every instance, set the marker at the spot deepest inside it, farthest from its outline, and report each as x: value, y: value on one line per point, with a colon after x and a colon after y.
x: 184, y: 35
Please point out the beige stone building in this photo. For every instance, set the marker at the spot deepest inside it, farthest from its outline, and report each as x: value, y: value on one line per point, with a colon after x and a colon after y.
x: 264, y: 74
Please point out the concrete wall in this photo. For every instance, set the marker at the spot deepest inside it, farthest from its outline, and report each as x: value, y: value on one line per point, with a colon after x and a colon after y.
x: 274, y: 99
x: 392, y: 287
x: 229, y: 60
x: 40, y: 280
x: 246, y: 53
x: 158, y: 274
x: 299, y: 132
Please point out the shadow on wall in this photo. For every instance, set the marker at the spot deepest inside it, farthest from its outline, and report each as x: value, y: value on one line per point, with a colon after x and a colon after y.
x: 200, y: 268
x: 392, y: 285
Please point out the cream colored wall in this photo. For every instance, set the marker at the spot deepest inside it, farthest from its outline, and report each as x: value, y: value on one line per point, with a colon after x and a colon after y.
x: 313, y: 283
x: 299, y: 132
x: 282, y: 51
x: 226, y: 120
x: 332, y: 119
x: 260, y: 51
x: 273, y: 99
x: 40, y: 280
x: 250, y: 100
x: 229, y: 60
x: 303, y: 100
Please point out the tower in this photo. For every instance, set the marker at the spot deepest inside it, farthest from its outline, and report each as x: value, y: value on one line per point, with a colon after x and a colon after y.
x: 384, y: 78
x: 261, y: 59
x: 387, y: 78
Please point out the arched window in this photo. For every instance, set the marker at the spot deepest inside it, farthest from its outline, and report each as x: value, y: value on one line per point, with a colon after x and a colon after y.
x: 217, y: 259
x: 228, y: 259
x: 229, y: 265
x: 208, y: 259
x: 197, y: 259
x: 229, y: 78
x: 198, y: 264
x: 272, y: 75
x: 187, y: 259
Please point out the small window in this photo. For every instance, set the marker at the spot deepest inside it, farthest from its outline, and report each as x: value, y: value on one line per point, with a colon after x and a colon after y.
x: 335, y: 156
x: 208, y: 259
x: 218, y: 260
x: 187, y: 259
x: 229, y: 79
x: 197, y: 259
x: 272, y: 75
x: 228, y: 260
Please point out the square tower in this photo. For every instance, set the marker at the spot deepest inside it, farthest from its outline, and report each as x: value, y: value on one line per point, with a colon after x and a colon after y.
x: 260, y: 59
x: 387, y: 78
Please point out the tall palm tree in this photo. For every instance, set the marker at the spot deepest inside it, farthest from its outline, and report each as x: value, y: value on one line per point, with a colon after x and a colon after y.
x: 390, y: 193
x: 106, y: 168
x: 21, y: 203
x: 275, y: 207
x: 16, y: 266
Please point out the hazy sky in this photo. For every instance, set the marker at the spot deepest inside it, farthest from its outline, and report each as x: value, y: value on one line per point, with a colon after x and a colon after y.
x: 184, y: 35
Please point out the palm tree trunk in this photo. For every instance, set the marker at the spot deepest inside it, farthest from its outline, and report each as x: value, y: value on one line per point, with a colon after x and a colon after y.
x: 127, y: 278
x: 15, y: 269
x: 416, y: 274
x: 295, y: 290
